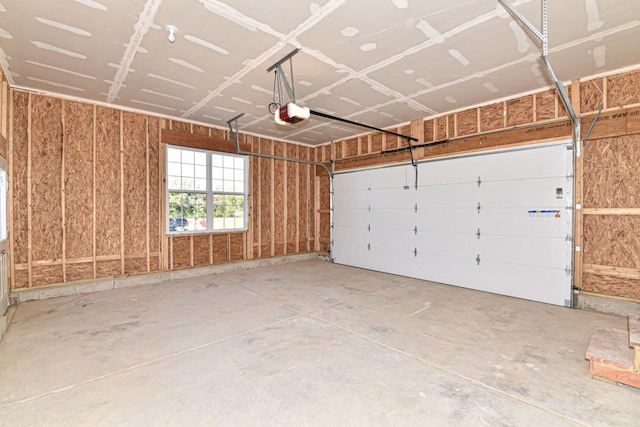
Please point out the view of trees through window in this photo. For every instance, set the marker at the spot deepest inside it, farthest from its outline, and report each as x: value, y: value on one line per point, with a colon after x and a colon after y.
x: 206, y: 190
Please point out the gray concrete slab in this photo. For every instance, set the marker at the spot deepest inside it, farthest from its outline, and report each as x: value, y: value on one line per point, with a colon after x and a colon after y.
x: 309, y: 343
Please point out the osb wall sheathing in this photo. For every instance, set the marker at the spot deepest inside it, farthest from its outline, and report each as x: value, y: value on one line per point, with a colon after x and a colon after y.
x: 611, y: 172
x: 81, y: 208
x: 88, y: 197
x: 45, y: 195
x: 610, y: 164
x: 78, y: 164
x: 108, y: 201
x: 135, y: 192
x: 19, y: 182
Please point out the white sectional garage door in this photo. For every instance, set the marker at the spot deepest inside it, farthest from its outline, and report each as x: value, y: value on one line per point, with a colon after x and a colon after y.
x: 498, y: 222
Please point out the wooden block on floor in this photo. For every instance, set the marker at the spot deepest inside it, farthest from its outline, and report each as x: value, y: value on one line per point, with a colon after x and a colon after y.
x: 610, y: 356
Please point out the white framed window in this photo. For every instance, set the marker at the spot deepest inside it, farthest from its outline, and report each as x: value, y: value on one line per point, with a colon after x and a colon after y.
x: 206, y: 190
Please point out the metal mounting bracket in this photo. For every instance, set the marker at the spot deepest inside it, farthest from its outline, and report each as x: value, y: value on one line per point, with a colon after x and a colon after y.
x: 281, y: 79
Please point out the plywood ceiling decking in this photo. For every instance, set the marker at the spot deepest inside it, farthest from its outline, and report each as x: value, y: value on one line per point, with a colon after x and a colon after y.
x: 382, y: 62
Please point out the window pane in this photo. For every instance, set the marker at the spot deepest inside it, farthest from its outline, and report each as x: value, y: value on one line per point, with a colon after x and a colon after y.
x: 201, y: 184
x: 187, y: 156
x: 238, y: 187
x: 187, y: 183
x: 174, y: 183
x: 200, y: 159
x: 217, y: 173
x: 228, y: 161
x: 217, y: 185
x: 186, y: 211
x: 228, y: 174
x: 188, y: 170
x: 228, y: 186
x: 216, y: 160
x: 173, y: 155
x: 201, y: 172
x: 173, y: 168
x: 239, y: 163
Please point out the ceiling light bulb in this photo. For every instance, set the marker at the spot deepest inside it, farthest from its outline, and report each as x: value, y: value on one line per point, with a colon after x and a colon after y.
x: 172, y: 32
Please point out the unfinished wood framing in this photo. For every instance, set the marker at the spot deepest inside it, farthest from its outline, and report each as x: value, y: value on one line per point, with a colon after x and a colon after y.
x: 107, y: 217
x: 99, y: 178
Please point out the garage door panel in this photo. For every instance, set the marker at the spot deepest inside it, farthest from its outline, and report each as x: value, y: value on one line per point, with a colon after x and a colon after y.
x: 449, y: 220
x: 391, y: 197
x: 447, y: 196
x: 543, y: 191
x: 393, y: 239
x: 533, y: 283
x: 523, y: 222
x: 391, y: 260
x: 447, y: 244
x: 352, y: 199
x: 509, y: 222
x: 450, y: 270
x: 355, y: 254
x: 392, y: 218
x: 351, y: 234
x: 439, y: 172
x: 518, y: 250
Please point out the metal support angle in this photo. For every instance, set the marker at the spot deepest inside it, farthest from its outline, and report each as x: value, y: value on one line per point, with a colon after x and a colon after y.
x: 280, y: 79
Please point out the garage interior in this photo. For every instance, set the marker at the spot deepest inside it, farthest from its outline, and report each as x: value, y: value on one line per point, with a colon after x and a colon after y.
x: 170, y: 254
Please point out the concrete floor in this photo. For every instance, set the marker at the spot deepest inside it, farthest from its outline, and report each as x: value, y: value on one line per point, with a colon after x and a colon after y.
x: 309, y: 343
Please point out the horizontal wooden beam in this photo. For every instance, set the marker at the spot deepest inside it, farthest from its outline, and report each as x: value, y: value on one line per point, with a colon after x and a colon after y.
x: 202, y: 142
x: 611, y: 211
x: 606, y: 270
x: 618, y: 122
x: 82, y: 260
